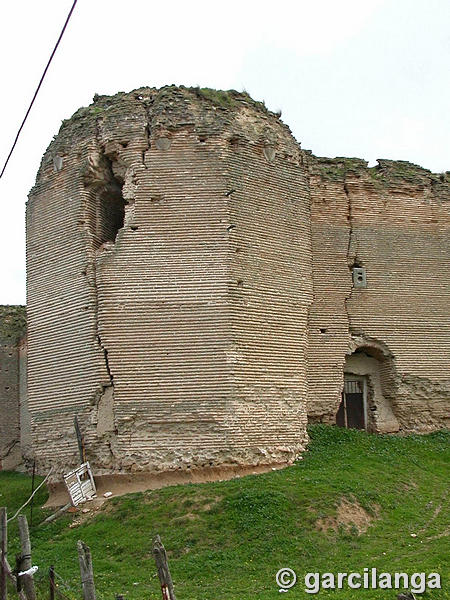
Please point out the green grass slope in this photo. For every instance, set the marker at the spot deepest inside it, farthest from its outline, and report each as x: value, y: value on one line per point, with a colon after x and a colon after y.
x: 355, y: 501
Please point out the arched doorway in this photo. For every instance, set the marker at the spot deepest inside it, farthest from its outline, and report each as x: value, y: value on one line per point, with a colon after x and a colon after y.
x: 369, y: 386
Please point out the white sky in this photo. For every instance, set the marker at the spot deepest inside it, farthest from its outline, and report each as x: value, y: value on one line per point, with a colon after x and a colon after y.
x: 366, y: 78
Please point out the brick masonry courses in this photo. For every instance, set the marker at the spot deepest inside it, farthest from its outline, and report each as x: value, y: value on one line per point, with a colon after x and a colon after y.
x: 180, y: 343
x: 190, y: 287
x: 394, y: 221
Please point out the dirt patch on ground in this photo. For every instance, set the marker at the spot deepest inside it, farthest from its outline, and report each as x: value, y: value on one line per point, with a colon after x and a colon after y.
x: 349, y: 515
x: 126, y: 484
x: 184, y: 518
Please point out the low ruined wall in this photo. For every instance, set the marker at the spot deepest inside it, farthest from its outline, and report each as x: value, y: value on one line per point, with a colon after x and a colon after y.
x: 12, y: 369
x: 393, y: 220
x: 171, y: 324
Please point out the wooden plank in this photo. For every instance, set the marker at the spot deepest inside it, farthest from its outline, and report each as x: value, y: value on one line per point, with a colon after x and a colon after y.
x: 86, y: 571
x: 25, y: 544
x: 162, y: 564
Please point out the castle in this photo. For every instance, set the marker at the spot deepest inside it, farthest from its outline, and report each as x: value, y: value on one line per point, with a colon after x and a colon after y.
x: 199, y: 287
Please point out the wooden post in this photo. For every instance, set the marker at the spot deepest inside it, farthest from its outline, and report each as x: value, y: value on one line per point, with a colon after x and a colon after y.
x: 51, y: 579
x: 86, y: 570
x: 18, y: 569
x: 25, y: 544
x: 10, y: 574
x: 3, y: 552
x: 80, y: 441
x: 15, y: 581
x: 160, y: 556
x: 32, y: 490
x: 56, y: 514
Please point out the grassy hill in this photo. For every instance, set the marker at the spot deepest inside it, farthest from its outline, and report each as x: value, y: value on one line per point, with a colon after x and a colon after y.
x: 355, y: 501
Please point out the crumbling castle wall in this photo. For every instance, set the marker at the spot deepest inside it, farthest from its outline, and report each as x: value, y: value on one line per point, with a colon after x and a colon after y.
x: 12, y: 392
x: 167, y: 308
x: 392, y: 220
x: 191, y: 287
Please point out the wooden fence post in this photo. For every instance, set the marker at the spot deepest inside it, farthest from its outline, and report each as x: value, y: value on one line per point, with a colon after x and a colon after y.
x: 86, y: 570
x: 5, y: 569
x: 160, y: 556
x: 51, y: 580
x: 32, y: 490
x: 25, y: 544
x: 3, y: 551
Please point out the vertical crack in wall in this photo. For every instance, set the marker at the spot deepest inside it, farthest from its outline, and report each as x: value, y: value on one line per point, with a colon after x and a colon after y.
x: 106, y: 424
x: 110, y: 178
x: 105, y: 214
x: 350, y: 259
x: 352, y: 256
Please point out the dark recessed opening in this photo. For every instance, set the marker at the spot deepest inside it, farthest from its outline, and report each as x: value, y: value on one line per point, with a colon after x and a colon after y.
x: 202, y: 139
x: 110, y: 206
x: 323, y: 330
x: 134, y: 228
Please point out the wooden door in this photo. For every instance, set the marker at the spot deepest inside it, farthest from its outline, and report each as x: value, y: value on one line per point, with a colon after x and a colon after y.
x: 351, y: 412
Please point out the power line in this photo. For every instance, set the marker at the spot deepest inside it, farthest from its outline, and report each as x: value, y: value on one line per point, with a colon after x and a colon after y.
x: 39, y: 86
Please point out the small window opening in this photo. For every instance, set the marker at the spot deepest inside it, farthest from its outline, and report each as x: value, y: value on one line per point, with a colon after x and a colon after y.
x: 323, y: 330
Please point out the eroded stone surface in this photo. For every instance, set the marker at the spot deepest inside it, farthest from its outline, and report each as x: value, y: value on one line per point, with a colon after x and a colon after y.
x: 12, y: 374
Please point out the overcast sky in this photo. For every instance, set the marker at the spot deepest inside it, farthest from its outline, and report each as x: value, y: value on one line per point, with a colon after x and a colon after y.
x: 366, y: 78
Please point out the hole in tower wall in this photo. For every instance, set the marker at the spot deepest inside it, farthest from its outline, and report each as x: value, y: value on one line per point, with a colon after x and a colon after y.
x: 110, y: 211
x: 107, y: 211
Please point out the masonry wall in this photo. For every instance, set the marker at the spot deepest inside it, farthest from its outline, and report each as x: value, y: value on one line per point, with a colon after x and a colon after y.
x: 12, y: 332
x: 190, y: 287
x: 146, y: 200
x: 270, y: 292
x: 394, y: 221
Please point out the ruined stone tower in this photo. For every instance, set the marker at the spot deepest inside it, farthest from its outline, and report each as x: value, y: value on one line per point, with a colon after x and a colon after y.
x: 169, y: 281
